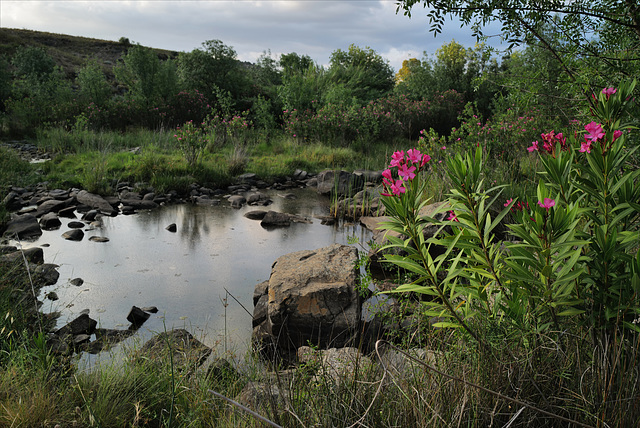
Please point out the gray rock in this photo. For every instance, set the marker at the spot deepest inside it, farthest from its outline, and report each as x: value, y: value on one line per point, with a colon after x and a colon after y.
x: 96, y: 202
x: 68, y: 212
x: 52, y: 295
x: 275, y: 219
x: 137, y: 316
x: 50, y: 221
x: 187, y: 351
x: 33, y: 255
x: 237, y: 201
x: 50, y: 206
x: 139, y: 204
x: 81, y: 325
x: 98, y: 239
x: 255, y: 215
x: 77, y: 282
x: 172, y: 227
x: 313, y: 298
x: 75, y: 225
x: 23, y: 227
x: 73, y: 235
x: 46, y: 274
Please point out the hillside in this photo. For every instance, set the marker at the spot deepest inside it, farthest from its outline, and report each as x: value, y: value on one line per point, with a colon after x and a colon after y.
x: 69, y: 52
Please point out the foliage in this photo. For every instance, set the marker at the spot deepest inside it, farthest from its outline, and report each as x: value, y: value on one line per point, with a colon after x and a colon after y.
x: 601, y: 32
x: 146, y: 77
x: 574, y: 264
x: 191, y: 141
x: 93, y: 85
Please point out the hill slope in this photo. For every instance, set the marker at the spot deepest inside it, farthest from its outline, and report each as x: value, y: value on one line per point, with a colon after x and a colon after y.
x: 69, y: 52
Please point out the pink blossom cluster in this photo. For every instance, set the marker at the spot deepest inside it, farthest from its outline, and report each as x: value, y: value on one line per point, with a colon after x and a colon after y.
x: 549, y: 142
x: 407, y: 166
x: 518, y: 206
x: 594, y: 134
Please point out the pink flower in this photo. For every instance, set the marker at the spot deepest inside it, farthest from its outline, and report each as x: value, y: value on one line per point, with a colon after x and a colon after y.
x: 387, y: 174
x: 506, y: 204
x: 548, y: 203
x: 585, y: 147
x: 406, y: 172
x: 534, y: 147
x: 452, y: 217
x: 595, y: 131
x: 425, y: 159
x: 609, y: 91
x: 398, y: 187
x: 616, y: 134
x: 397, y: 158
x: 414, y: 155
x: 443, y: 148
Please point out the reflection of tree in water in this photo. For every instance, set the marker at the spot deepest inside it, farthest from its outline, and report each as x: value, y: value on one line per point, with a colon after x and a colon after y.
x: 201, y: 221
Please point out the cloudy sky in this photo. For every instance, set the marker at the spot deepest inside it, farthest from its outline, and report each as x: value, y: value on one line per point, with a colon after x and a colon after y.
x: 314, y: 28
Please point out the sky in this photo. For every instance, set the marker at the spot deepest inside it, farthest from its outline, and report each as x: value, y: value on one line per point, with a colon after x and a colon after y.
x: 314, y: 28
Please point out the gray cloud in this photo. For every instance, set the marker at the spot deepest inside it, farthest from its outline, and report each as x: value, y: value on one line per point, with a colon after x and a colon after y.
x: 314, y: 28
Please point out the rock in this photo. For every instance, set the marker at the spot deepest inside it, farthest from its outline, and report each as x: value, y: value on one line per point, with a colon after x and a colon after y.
x: 403, y: 367
x: 23, y: 227
x: 106, y: 338
x: 340, y: 183
x: 96, y: 202
x: 33, y: 255
x: 73, y: 235
x: 172, y: 227
x: 137, y: 316
x: 77, y: 282
x: 313, y: 298
x: 237, y: 201
x: 258, y: 199
x: 68, y: 212
x: 221, y: 370
x: 50, y: 206
x: 52, y: 295
x: 255, y: 215
x: 139, y: 204
x: 12, y: 201
x: 341, y: 364
x: 90, y: 215
x: 206, y: 201
x: 150, y: 309
x: 50, y: 221
x: 75, y: 225
x: 275, y: 219
x: 81, y: 325
x: 261, y: 397
x: 46, y: 274
x: 98, y: 239
x: 186, y: 350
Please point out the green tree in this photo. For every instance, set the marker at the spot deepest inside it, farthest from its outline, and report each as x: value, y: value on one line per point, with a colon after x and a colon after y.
x: 145, y: 76
x: 93, y: 85
x: 589, y: 29
x: 360, y: 74
x: 408, y: 67
x: 33, y: 64
x: 5, y: 82
x: 292, y: 63
x: 214, y: 68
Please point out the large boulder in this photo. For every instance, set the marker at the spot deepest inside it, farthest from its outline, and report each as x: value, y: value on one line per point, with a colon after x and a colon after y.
x: 311, y: 297
x: 96, y: 202
x: 23, y: 227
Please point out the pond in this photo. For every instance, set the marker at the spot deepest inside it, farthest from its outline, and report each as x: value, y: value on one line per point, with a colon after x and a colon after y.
x: 200, y: 278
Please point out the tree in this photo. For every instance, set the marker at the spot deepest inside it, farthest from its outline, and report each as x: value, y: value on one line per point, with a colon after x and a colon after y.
x: 32, y: 64
x: 585, y: 26
x: 363, y: 73
x: 146, y: 76
x: 93, y: 85
x: 292, y: 63
x: 408, y: 67
x: 212, y: 69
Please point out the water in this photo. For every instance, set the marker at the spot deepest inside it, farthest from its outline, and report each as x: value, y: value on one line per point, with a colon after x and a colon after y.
x: 186, y: 274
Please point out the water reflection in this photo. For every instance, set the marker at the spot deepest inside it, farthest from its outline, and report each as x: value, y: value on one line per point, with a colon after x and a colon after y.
x: 185, y: 274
